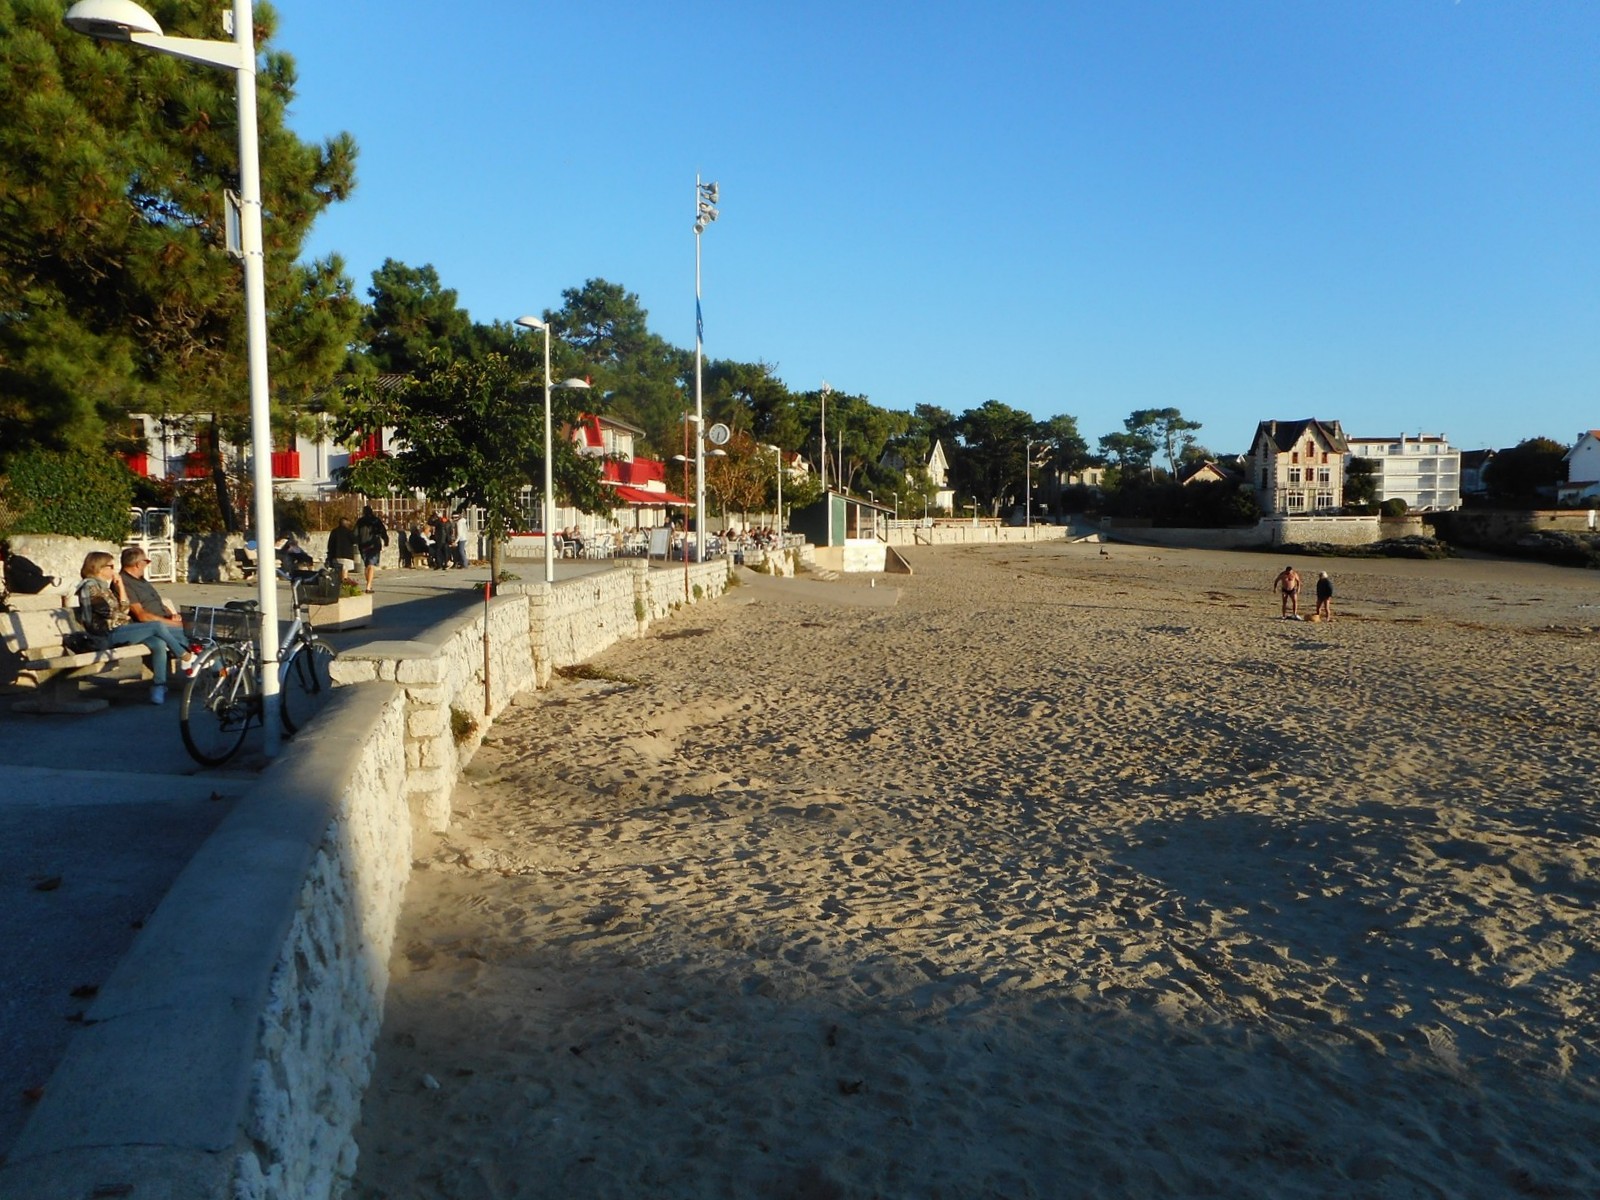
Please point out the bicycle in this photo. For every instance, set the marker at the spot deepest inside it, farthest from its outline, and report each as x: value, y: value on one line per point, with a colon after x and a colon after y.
x: 222, y: 698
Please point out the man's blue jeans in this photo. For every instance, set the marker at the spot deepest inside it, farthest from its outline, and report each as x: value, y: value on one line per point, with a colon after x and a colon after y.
x: 159, y: 636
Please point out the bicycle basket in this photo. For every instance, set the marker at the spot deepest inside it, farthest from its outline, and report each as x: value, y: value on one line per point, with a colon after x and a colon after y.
x: 319, y: 588
x: 205, y: 624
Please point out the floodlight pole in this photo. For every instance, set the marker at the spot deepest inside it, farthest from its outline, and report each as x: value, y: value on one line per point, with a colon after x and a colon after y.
x: 705, y: 212
x: 1027, y: 483
x: 127, y: 22
x: 822, y: 438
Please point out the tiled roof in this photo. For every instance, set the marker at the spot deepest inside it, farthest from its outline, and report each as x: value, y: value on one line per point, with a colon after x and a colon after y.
x: 1284, y: 436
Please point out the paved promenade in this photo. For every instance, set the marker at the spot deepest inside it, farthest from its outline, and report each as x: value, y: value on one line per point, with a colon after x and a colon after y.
x: 99, y: 814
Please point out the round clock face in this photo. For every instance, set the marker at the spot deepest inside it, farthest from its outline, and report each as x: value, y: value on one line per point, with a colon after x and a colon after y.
x: 718, y: 434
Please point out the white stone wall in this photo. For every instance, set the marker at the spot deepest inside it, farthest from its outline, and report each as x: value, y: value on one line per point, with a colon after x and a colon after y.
x: 228, y: 1055
x: 442, y: 677
x: 1337, y: 531
x: 910, y: 533
x: 324, y: 1004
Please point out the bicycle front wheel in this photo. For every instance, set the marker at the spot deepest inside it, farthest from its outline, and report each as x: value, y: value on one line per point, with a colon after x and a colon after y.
x: 219, y: 702
x: 305, y: 684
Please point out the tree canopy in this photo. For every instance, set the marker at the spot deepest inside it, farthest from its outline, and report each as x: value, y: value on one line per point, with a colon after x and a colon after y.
x: 116, y: 292
x: 470, y: 431
x: 1527, y: 473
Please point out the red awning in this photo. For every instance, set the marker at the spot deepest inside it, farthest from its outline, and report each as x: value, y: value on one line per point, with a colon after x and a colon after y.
x: 632, y: 495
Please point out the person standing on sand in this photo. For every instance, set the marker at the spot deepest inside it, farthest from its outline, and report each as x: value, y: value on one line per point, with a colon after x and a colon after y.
x: 1324, y: 597
x: 1288, y: 582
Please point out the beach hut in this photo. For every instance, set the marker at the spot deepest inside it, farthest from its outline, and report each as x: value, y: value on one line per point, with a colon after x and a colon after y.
x: 848, y: 532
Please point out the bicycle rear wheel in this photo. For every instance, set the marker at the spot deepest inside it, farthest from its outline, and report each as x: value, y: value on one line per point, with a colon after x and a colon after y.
x: 219, y: 703
x: 306, y: 683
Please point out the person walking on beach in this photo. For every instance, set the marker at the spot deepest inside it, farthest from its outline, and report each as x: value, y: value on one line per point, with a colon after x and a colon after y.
x: 1288, y: 582
x: 1324, y: 597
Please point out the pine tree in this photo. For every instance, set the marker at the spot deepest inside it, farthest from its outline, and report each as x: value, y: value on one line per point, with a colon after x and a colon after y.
x: 116, y: 291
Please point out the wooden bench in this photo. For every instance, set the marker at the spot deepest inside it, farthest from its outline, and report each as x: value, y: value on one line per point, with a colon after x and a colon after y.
x: 245, y: 559
x: 33, y: 636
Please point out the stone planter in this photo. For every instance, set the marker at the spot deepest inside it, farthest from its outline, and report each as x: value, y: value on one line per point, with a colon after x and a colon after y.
x: 347, y: 612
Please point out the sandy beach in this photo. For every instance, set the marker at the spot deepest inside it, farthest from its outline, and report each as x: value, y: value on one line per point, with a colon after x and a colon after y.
x: 1039, y: 873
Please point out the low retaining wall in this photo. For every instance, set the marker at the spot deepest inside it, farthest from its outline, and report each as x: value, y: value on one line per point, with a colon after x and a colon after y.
x: 1492, y: 528
x: 441, y: 675
x: 1269, y: 531
x: 960, y: 533
x: 227, y: 1055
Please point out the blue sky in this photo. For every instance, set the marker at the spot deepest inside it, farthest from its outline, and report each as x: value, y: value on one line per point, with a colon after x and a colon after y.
x: 1386, y: 213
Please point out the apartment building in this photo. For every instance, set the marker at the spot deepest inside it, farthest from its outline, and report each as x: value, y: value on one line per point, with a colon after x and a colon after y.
x: 1424, y: 471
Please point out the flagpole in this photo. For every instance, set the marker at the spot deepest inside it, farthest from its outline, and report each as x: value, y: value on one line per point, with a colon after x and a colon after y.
x: 705, y: 199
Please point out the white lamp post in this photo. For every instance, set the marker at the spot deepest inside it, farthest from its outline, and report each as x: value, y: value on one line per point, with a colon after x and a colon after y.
x: 549, y: 520
x: 125, y: 21
x: 778, y: 454
x: 705, y: 211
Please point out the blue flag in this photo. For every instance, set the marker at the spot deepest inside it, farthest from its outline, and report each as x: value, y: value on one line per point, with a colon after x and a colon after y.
x: 699, y: 322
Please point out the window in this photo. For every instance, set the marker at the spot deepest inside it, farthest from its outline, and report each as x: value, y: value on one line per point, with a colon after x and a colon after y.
x: 1266, y: 478
x: 1311, y: 451
x: 1294, y: 474
x: 1324, y: 456
x: 1324, y: 501
x: 1324, y: 475
x: 1294, y: 457
x: 1294, y: 502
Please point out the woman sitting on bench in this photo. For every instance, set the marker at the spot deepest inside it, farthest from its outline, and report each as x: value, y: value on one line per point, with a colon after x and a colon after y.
x: 103, y: 609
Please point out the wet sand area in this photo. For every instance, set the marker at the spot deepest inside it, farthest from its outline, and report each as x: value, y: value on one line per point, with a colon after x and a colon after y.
x: 1067, y: 874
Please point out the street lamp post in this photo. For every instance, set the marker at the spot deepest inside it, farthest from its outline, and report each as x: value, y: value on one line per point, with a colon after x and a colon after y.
x: 706, y: 196
x: 1027, y: 483
x: 778, y: 454
x: 1027, y: 477
x: 125, y: 21
x: 549, y: 520
x: 822, y: 445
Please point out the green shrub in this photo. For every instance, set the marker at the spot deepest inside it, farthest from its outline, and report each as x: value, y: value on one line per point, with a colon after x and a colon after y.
x: 698, y: 591
x: 638, y: 609
x: 462, y: 725
x: 69, y: 493
x: 1392, y: 507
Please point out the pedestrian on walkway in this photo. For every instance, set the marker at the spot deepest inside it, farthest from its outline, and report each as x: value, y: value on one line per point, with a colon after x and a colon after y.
x: 372, y: 535
x: 342, y: 549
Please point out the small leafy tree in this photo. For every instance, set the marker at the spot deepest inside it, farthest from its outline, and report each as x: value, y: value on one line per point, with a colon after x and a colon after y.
x: 1360, y: 483
x: 739, y: 481
x: 1527, y: 473
x: 471, y: 432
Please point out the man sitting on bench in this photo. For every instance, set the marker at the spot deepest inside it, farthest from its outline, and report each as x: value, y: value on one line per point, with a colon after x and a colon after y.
x: 108, y: 609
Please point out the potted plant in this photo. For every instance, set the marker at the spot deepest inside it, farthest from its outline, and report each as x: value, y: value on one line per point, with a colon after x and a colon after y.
x: 350, y: 609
